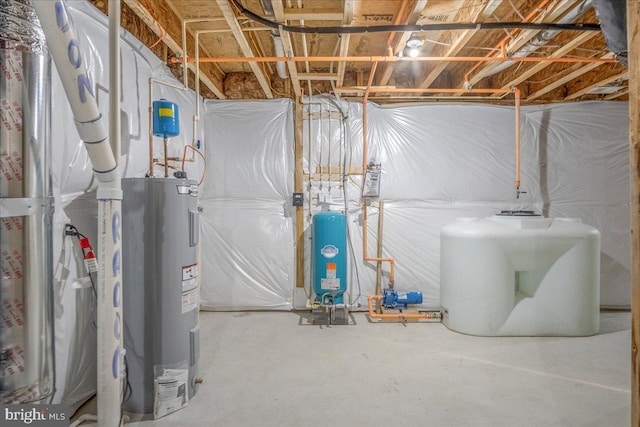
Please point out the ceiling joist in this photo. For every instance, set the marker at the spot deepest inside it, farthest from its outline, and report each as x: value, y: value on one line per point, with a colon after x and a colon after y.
x: 278, y: 11
x: 237, y: 32
x: 620, y: 76
x: 329, y: 60
x: 209, y: 75
x: 577, y: 71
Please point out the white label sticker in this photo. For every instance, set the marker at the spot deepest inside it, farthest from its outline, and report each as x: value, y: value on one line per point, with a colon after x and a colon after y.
x: 331, y: 273
x: 189, y: 300
x: 330, y: 284
x: 171, y: 391
x: 189, y: 284
x: 189, y: 272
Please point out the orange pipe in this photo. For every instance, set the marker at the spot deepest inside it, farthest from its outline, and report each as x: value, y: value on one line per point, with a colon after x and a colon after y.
x: 364, y: 167
x: 426, y: 90
x: 396, y: 21
x: 388, y: 58
x: 516, y: 92
x: 502, y: 44
x: 374, y: 315
x: 150, y: 141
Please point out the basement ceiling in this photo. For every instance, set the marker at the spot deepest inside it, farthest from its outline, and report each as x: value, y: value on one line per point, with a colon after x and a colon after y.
x: 343, y: 63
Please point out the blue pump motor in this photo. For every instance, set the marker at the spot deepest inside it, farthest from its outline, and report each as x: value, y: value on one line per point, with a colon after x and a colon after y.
x: 166, y: 122
x: 393, y: 299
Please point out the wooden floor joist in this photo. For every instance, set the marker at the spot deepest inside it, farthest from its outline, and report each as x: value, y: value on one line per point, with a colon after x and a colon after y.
x: 633, y: 41
x: 141, y: 11
x: 559, y: 53
x: 592, y: 86
x: 577, y: 70
x: 237, y: 32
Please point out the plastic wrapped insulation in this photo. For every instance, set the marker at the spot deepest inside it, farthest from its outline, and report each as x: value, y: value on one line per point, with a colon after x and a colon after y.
x: 26, y: 208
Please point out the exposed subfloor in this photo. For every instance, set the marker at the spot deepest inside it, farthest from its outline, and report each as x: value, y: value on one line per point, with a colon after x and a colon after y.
x: 275, y: 369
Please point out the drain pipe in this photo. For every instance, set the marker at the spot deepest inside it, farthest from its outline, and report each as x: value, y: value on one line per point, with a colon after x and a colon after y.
x: 63, y: 45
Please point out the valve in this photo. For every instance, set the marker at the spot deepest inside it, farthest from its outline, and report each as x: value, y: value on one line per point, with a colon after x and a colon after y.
x: 518, y: 192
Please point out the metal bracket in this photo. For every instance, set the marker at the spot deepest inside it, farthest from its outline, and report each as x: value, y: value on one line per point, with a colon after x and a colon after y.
x: 14, y: 206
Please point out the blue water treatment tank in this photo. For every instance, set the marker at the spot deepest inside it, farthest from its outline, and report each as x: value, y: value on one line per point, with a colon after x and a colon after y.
x: 329, y: 256
x: 166, y: 122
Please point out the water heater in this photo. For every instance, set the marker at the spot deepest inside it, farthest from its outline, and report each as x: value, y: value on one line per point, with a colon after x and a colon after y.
x: 329, y: 257
x: 160, y: 285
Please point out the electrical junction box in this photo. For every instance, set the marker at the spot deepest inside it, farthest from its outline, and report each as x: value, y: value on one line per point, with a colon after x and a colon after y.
x: 298, y: 199
x: 371, y: 187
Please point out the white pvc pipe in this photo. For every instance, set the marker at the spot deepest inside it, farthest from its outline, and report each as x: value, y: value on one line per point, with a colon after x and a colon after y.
x: 115, y: 86
x: 184, y: 45
x: 64, y: 48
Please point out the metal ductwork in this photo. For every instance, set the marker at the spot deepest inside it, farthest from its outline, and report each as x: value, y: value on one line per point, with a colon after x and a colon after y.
x: 612, y: 15
x: 26, y: 208
x: 279, y: 49
x: 541, y: 39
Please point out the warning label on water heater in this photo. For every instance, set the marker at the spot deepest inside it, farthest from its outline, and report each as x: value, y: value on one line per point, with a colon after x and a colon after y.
x: 189, y: 288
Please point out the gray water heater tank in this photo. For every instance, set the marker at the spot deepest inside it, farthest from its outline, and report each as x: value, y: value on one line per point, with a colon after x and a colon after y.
x: 160, y: 284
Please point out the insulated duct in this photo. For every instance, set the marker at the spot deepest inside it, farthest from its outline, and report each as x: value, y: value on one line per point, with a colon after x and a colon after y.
x: 540, y: 40
x: 612, y: 15
x: 26, y: 207
x: 281, y: 67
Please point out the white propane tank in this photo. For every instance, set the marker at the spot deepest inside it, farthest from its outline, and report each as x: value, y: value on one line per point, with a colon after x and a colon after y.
x: 520, y: 276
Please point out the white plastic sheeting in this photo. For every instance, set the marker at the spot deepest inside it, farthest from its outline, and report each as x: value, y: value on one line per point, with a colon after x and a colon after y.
x: 439, y: 162
x: 75, y: 189
x: 246, y: 223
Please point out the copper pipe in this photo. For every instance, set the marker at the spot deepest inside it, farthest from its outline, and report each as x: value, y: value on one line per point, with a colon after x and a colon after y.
x: 387, y: 58
x: 502, y: 43
x: 392, y: 89
x: 396, y: 21
x: 373, y: 315
x: 364, y: 168
x: 166, y: 165
x: 150, y: 135
x: 516, y: 92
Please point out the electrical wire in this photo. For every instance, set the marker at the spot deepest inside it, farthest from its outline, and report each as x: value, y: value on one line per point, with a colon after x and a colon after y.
x: 416, y: 28
x: 127, y: 391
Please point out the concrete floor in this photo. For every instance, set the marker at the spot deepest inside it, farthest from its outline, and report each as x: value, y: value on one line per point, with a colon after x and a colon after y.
x: 275, y: 369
